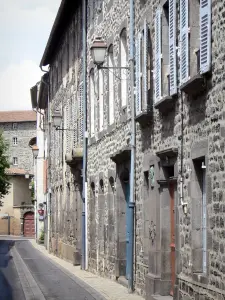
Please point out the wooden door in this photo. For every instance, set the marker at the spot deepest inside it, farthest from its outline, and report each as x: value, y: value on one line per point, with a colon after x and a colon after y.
x: 172, y: 237
x: 29, y: 226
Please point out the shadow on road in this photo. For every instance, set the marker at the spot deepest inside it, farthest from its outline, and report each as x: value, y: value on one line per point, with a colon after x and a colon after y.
x: 5, y: 258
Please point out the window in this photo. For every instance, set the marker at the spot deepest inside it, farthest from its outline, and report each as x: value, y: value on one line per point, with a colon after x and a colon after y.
x: 199, y: 223
x: 143, y: 70
x: 15, y: 141
x: 101, y: 104
x: 195, y: 44
x: 123, y: 62
x: 111, y: 85
x: 15, y: 161
x: 92, y: 103
x: 14, y: 125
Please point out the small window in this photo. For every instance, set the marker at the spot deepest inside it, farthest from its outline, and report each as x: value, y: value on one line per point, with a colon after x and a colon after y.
x: 123, y: 62
x: 15, y: 141
x: 15, y: 161
x: 14, y: 125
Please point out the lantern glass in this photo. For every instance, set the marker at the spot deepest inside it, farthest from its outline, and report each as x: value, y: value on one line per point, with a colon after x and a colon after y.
x: 27, y: 176
x: 35, y: 152
x: 57, y: 119
x: 98, y: 54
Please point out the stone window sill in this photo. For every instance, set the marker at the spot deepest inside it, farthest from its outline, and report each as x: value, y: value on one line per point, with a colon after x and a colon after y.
x: 194, y: 85
x: 144, y: 118
x: 200, y: 278
x: 166, y: 104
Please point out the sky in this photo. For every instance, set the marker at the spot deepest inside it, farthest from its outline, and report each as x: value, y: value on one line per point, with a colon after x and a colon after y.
x: 25, y: 26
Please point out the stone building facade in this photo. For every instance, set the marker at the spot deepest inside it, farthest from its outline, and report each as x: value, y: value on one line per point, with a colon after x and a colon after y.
x: 179, y: 222
x: 179, y: 163
x: 19, y: 128
x: 66, y: 142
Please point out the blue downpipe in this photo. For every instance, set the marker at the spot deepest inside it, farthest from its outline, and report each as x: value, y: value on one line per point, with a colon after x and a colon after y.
x: 84, y: 67
x: 130, y: 258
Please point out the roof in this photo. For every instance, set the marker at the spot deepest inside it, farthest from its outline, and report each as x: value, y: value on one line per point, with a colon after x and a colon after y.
x: 15, y: 171
x: 18, y: 116
x: 63, y: 18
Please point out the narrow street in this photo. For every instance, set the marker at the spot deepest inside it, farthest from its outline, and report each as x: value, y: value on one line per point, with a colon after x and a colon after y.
x: 27, y: 274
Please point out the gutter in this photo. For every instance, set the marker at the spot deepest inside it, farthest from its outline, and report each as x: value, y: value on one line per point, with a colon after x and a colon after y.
x: 130, y: 258
x: 84, y: 263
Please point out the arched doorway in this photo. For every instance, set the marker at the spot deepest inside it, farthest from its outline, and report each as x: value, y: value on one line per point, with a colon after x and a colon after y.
x: 29, y: 226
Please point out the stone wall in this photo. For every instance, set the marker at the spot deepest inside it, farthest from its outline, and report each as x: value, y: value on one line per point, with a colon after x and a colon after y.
x: 65, y: 89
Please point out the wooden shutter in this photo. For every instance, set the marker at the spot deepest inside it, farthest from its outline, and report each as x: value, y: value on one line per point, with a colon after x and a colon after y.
x: 158, y: 55
x: 101, y: 105
x: 138, y: 75
x: 81, y: 112
x: 111, y: 90
x: 145, y: 66
x: 184, y: 41
x: 66, y: 110
x: 172, y: 47
x: 205, y: 36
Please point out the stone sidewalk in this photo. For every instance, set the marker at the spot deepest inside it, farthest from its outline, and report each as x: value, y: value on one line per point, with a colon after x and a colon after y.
x: 109, y: 289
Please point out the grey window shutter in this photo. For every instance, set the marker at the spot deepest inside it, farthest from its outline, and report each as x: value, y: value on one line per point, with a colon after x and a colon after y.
x: 184, y: 41
x: 138, y: 74
x: 81, y: 112
x: 67, y: 126
x: 205, y: 36
x: 145, y: 67
x: 172, y: 47
x: 158, y: 55
x: 74, y: 114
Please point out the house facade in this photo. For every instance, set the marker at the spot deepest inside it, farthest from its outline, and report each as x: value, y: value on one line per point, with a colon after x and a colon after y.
x: 66, y: 140
x: 178, y: 238
x: 17, y: 213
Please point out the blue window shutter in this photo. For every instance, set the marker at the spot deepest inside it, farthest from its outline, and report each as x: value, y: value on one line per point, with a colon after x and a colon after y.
x: 145, y: 67
x: 158, y: 56
x: 138, y: 74
x: 81, y: 112
x: 205, y: 36
x: 172, y: 47
x: 184, y: 41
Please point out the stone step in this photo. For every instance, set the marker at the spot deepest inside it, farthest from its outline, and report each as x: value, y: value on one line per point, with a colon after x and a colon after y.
x: 159, y: 297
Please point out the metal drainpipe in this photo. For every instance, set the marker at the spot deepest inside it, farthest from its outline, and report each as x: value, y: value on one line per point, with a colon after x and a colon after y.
x: 132, y: 167
x: 84, y: 193
x: 49, y: 166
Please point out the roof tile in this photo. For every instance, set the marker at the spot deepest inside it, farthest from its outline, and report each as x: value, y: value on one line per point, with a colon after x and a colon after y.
x: 18, y: 116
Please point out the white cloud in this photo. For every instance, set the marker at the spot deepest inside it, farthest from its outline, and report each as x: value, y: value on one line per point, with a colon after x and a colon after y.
x: 24, y: 29
x: 15, y: 84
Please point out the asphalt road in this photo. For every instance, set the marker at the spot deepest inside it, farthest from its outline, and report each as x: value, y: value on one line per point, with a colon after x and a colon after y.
x: 25, y: 274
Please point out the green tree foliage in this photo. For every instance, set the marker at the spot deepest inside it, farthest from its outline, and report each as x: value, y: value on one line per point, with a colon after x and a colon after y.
x: 4, y: 164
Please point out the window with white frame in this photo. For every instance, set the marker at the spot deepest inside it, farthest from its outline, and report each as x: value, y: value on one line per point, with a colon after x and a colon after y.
x: 92, y: 102
x: 15, y: 161
x: 166, y: 50
x: 143, y: 69
x: 101, y: 100
x: 15, y: 142
x: 195, y: 43
x: 111, y: 85
x: 14, y: 125
x: 123, y: 63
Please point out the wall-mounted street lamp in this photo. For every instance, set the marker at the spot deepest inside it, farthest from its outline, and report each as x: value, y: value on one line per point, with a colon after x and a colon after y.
x: 35, y: 151
x: 98, y: 52
x: 57, y: 121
